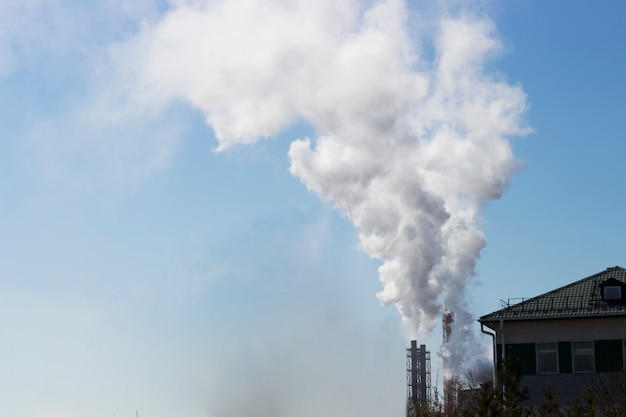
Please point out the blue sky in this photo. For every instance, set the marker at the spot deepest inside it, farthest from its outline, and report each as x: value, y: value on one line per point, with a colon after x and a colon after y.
x: 144, y: 269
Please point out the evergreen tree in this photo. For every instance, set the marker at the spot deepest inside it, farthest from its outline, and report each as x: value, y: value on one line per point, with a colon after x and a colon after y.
x: 513, y: 395
x: 550, y: 406
x: 487, y: 403
x: 585, y: 409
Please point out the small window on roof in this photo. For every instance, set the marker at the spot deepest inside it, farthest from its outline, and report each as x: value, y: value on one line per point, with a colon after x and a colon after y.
x: 612, y: 292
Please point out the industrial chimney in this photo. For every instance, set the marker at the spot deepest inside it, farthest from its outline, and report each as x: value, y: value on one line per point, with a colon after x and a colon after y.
x: 418, y: 380
x: 447, y: 319
x: 449, y: 391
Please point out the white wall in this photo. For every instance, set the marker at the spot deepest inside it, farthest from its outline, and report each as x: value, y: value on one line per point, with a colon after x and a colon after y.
x: 538, y: 331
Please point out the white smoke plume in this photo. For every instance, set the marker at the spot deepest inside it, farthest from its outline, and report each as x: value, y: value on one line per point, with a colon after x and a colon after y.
x: 409, y: 147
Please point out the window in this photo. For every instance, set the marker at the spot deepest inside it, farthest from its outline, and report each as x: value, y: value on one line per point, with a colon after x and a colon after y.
x: 582, y: 353
x: 547, y: 358
x: 612, y: 292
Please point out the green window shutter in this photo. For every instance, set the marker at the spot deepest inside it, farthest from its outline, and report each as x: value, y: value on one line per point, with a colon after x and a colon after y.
x: 565, y: 357
x: 525, y: 354
x: 608, y: 355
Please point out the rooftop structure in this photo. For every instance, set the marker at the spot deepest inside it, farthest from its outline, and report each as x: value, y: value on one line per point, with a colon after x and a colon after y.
x: 601, y: 294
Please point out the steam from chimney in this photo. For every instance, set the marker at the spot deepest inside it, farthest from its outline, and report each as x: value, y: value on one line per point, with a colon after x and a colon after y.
x: 409, y: 148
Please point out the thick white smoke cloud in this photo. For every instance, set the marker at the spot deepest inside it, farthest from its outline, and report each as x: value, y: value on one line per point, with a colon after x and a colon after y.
x: 409, y: 148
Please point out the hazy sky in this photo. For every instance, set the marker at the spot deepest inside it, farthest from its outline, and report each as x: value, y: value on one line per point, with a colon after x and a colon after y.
x: 219, y: 208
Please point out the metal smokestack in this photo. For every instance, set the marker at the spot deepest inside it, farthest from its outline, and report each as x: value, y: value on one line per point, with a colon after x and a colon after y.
x: 449, y: 394
x: 418, y: 379
x: 447, y: 319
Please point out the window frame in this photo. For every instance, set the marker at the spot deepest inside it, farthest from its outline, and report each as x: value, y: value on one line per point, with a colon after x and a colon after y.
x: 612, y: 288
x: 542, y: 349
x: 576, y: 352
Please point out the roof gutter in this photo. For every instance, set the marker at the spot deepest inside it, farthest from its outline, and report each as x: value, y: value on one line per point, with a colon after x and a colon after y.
x: 559, y: 317
x: 503, y: 351
x: 502, y: 338
x: 494, y: 352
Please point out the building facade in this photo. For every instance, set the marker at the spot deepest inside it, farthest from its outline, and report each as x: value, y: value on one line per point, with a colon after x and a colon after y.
x: 567, y: 338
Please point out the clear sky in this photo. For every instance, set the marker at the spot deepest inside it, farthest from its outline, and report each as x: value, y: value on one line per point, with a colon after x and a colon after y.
x: 204, y: 205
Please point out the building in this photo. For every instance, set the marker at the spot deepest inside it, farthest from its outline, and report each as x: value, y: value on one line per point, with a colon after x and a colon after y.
x: 567, y: 337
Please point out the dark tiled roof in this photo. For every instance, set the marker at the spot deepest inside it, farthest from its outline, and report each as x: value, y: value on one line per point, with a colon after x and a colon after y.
x: 579, y: 299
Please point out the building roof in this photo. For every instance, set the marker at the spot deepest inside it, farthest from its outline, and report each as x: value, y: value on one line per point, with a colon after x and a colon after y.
x: 579, y: 299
